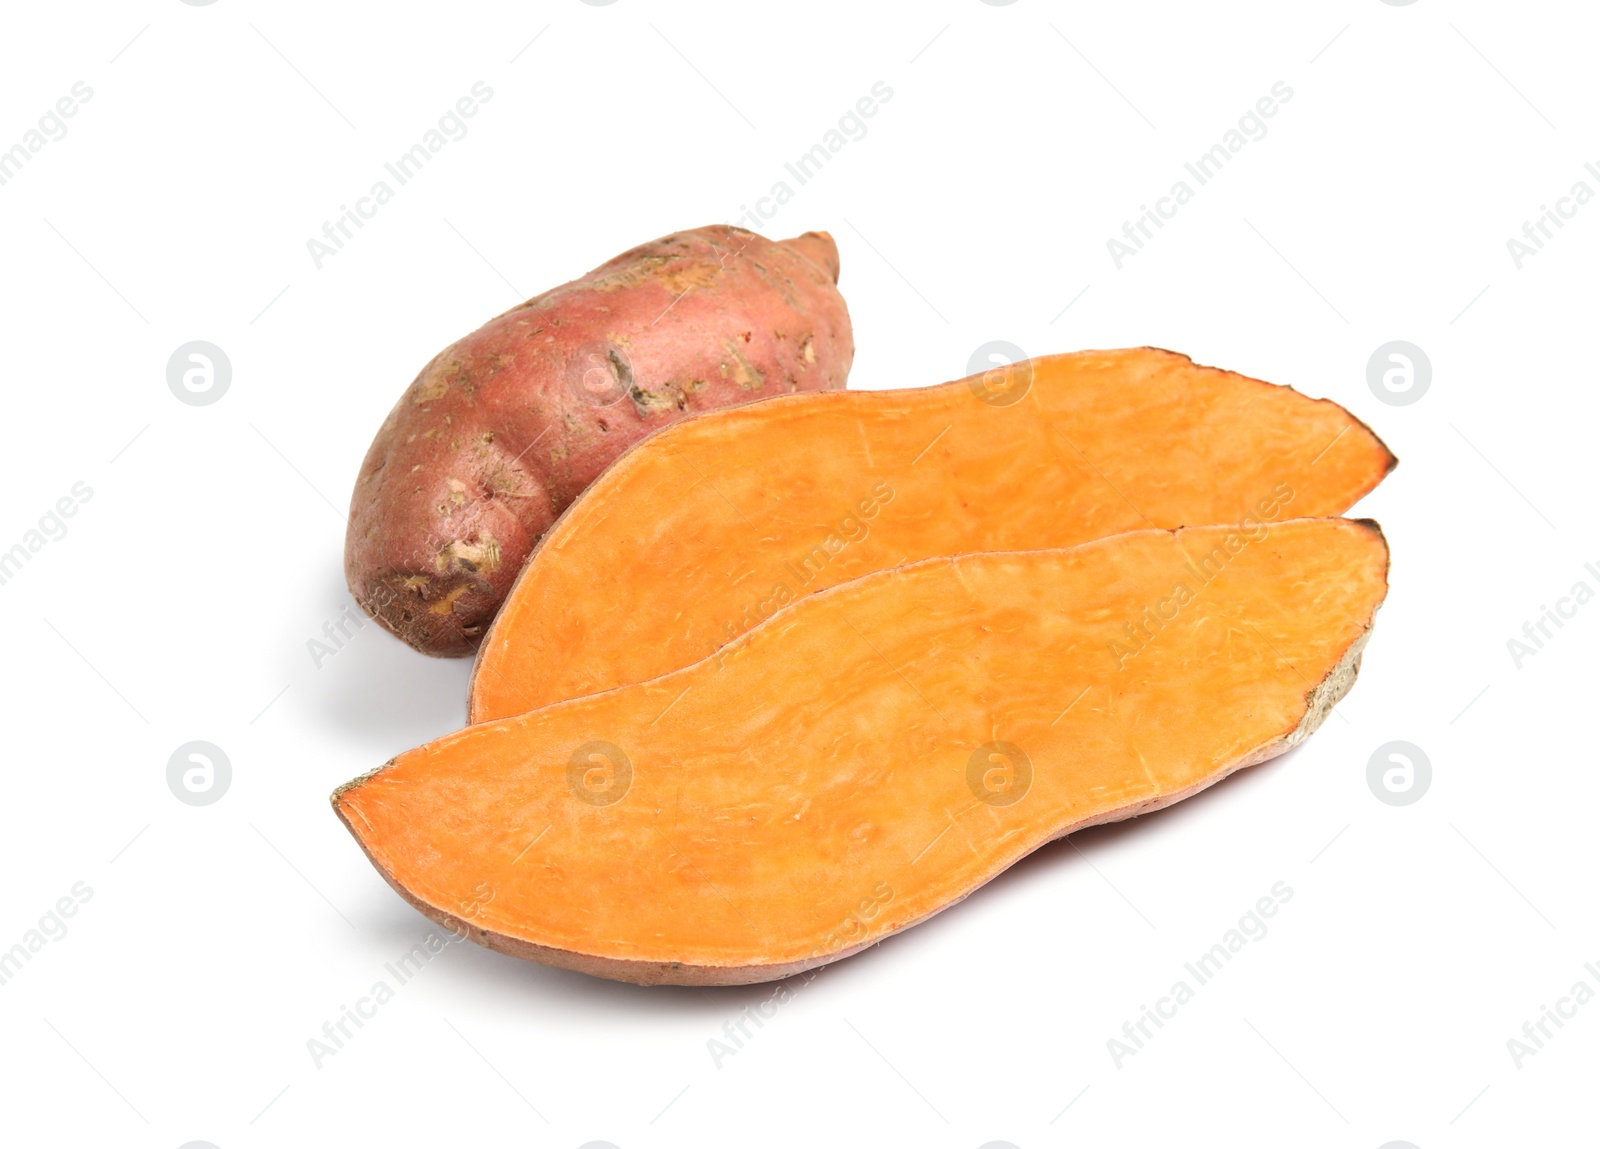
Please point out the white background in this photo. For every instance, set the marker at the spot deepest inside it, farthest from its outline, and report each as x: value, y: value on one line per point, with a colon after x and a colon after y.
x: 977, y: 207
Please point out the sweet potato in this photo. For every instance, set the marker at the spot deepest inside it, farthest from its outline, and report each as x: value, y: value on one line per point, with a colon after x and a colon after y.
x: 698, y: 534
x: 875, y: 752
x: 502, y: 429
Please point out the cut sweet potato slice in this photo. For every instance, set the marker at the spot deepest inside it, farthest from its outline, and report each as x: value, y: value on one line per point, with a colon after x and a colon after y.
x: 875, y: 752
x: 699, y: 533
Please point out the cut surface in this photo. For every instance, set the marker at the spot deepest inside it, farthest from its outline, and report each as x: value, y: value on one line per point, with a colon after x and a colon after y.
x: 706, y: 529
x: 873, y: 753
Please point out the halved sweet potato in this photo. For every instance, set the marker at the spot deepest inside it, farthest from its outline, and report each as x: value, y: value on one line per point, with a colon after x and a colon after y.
x: 707, y: 528
x: 875, y: 752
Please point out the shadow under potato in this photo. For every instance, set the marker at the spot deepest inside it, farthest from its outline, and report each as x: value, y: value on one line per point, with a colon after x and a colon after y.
x: 376, y: 690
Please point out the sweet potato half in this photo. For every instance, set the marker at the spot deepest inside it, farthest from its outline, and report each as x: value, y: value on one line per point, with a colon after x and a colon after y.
x: 874, y: 753
x: 503, y: 428
x: 706, y: 529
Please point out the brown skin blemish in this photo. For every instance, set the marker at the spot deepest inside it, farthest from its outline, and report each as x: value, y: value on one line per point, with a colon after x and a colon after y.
x: 674, y: 276
x: 745, y: 374
x: 447, y: 604
x: 478, y: 555
x: 648, y: 403
x: 502, y: 480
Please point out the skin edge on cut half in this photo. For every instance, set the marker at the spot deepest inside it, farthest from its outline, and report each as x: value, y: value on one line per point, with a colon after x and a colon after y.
x: 1340, y: 565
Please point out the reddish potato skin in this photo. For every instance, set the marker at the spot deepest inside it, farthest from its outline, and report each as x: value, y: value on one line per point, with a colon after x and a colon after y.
x: 503, y: 429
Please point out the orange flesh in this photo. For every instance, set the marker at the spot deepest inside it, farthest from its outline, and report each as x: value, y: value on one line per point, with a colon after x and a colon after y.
x: 809, y: 790
x: 703, y: 531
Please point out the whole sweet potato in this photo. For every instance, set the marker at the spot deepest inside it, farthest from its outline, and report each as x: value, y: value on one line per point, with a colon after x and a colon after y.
x: 504, y: 428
